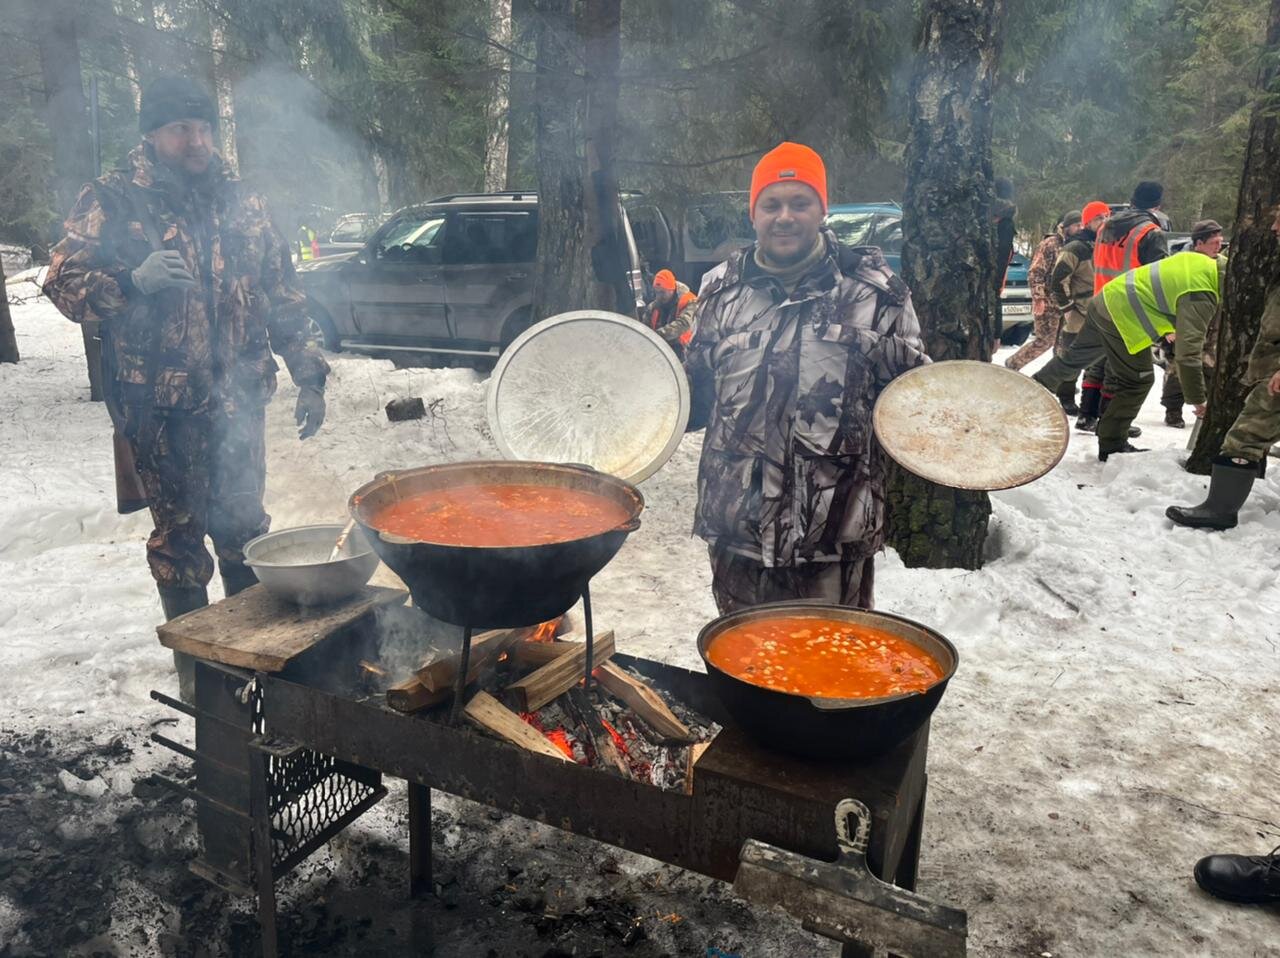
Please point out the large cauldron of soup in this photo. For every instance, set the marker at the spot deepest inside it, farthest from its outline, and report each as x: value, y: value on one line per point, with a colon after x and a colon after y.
x: 826, y: 681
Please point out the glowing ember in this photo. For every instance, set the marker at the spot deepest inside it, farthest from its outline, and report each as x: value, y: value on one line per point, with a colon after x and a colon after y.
x: 619, y: 742
x: 371, y: 668
x: 560, y: 739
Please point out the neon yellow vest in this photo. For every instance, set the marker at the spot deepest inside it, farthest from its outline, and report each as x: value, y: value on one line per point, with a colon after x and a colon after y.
x: 1144, y: 301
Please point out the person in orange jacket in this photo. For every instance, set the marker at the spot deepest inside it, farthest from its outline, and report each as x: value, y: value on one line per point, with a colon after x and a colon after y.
x: 670, y: 312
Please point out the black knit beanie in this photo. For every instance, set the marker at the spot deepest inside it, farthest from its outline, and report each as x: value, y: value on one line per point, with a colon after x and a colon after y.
x: 170, y: 98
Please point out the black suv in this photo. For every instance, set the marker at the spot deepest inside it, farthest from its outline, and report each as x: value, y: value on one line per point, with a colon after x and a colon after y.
x: 453, y: 275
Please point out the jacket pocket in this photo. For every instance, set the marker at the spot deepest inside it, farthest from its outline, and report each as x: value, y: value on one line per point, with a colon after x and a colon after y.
x: 834, y: 392
x: 834, y: 502
x: 253, y: 377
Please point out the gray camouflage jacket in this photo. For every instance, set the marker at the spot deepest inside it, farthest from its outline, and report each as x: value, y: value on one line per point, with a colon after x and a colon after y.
x: 790, y: 470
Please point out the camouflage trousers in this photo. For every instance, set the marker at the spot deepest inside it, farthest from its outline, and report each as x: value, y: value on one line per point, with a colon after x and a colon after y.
x: 1044, y: 333
x: 1256, y: 428
x: 738, y: 582
x: 204, y: 474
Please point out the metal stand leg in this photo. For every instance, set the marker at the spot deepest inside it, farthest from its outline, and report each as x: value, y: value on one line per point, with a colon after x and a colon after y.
x: 265, y: 879
x: 419, y: 840
x: 460, y: 680
x: 910, y: 863
x: 586, y: 612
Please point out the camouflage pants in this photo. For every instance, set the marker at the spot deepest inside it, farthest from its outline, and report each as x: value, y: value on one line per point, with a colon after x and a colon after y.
x: 1044, y: 334
x: 204, y: 474
x: 738, y: 582
x: 1256, y: 428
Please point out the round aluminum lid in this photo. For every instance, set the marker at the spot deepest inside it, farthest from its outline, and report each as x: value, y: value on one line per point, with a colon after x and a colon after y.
x: 590, y: 387
x: 971, y: 425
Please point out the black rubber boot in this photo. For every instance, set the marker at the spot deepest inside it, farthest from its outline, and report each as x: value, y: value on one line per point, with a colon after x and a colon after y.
x: 236, y: 577
x: 178, y: 600
x: 1173, y: 417
x: 1090, y: 401
x: 1103, y: 454
x: 1067, y: 397
x: 1229, y: 486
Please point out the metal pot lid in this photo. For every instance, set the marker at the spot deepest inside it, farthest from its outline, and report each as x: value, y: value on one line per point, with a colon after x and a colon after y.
x: 971, y: 425
x: 590, y: 387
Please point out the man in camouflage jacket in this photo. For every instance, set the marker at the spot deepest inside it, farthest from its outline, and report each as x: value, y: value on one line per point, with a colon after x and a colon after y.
x: 798, y: 337
x: 1047, y: 318
x: 193, y: 287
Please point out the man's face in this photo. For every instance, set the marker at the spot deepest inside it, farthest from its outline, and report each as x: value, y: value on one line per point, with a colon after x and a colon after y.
x: 1073, y: 229
x: 1211, y: 246
x: 1095, y: 224
x: 185, y: 145
x: 787, y: 218
x: 663, y: 296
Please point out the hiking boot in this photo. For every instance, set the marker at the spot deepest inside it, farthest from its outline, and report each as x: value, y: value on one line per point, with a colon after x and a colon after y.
x: 1229, y: 486
x: 1134, y: 432
x: 1127, y: 447
x: 1248, y: 879
x: 1069, y: 406
x: 1087, y: 424
x: 1173, y: 417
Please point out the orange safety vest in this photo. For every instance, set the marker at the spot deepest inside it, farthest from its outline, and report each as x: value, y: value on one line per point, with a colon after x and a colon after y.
x: 1115, y: 259
x: 685, y: 299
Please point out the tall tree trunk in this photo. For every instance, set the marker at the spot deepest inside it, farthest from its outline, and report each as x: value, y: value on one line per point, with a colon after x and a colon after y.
x: 223, y: 91
x: 948, y: 257
x: 1253, y: 257
x: 600, y: 24
x: 67, y: 116
x: 497, y: 113
x: 8, y: 339
x: 562, y: 279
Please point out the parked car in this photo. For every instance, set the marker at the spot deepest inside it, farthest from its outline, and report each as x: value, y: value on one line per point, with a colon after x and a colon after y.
x: 870, y: 224
x: 453, y: 275
x: 1015, y: 302
x: 350, y: 233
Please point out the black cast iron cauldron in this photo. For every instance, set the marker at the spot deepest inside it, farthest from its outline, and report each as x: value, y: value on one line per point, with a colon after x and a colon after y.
x: 828, y: 728
x: 495, y: 586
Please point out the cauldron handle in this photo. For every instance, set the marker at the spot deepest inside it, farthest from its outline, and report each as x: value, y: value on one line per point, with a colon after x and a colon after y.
x: 852, y: 846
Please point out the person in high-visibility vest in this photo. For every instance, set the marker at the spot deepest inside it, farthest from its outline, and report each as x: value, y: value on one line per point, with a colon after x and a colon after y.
x: 670, y: 312
x: 1171, y: 299
x: 308, y: 245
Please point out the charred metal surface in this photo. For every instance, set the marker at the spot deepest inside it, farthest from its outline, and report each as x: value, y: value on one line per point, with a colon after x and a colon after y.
x: 842, y: 900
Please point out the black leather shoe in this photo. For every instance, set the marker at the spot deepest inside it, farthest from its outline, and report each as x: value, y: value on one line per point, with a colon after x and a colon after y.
x: 1127, y: 447
x: 1069, y: 407
x: 1248, y: 879
x: 1087, y: 424
x: 1134, y: 433
x: 1173, y: 417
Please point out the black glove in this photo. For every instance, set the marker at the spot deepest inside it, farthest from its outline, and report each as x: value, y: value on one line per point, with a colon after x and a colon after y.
x: 163, y: 269
x: 309, y: 412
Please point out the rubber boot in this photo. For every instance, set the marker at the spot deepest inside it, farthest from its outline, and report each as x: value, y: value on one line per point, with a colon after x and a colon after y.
x: 1090, y: 401
x: 1229, y: 486
x: 236, y: 576
x: 178, y: 600
x: 1134, y: 431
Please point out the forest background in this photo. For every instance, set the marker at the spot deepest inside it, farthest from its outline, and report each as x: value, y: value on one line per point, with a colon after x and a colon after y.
x: 336, y: 106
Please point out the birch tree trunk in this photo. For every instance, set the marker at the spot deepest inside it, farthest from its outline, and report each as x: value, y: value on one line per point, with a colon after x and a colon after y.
x: 948, y: 257
x: 1252, y: 262
x: 497, y: 113
x: 562, y: 279
x: 223, y: 91
x: 8, y: 339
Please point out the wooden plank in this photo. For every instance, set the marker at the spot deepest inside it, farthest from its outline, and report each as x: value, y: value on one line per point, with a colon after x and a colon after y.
x: 255, y: 630
x: 556, y: 677
x: 411, y: 696
x: 439, y: 675
x: 695, y: 753
x: 490, y: 714
x: 644, y: 701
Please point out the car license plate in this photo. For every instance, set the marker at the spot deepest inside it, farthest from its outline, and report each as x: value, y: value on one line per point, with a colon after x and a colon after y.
x: 1017, y: 309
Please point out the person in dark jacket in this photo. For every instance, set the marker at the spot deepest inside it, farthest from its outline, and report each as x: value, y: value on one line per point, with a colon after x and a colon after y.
x: 1071, y: 287
x: 193, y: 287
x: 1003, y: 210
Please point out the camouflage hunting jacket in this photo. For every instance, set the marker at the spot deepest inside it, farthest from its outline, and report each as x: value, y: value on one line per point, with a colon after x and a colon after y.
x: 1042, y: 261
x: 215, y: 340
x: 790, y: 470
x: 1071, y: 279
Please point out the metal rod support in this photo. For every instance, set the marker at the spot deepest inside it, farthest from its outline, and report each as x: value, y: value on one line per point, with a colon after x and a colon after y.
x: 419, y: 840
x: 460, y: 680
x: 586, y: 613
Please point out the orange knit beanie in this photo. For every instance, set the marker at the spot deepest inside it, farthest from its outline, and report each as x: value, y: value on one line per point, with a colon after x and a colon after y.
x: 790, y: 163
x: 665, y: 280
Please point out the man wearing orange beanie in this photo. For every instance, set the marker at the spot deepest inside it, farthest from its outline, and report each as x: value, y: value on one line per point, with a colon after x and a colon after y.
x: 795, y: 337
x: 670, y: 312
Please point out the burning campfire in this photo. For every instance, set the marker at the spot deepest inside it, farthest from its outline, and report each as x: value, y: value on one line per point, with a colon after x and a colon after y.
x: 530, y: 692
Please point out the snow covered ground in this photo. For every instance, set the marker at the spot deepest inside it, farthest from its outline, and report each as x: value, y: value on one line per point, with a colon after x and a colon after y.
x: 1113, y: 717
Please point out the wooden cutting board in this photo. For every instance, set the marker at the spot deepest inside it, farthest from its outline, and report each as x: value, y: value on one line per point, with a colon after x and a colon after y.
x: 255, y: 630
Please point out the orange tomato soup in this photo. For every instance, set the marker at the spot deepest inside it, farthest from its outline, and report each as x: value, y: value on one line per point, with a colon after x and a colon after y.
x: 493, y: 514
x: 809, y: 655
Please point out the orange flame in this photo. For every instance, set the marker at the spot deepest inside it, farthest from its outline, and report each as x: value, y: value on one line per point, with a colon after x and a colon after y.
x: 547, y: 631
x: 619, y: 742
x: 560, y: 739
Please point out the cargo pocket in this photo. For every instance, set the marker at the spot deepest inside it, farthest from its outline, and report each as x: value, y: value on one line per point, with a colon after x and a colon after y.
x: 253, y: 378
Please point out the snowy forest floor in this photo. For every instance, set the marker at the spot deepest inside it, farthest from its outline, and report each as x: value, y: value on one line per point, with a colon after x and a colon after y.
x: 1113, y: 717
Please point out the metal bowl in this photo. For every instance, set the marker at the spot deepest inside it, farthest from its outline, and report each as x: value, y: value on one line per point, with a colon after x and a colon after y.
x: 294, y: 563
x: 822, y: 728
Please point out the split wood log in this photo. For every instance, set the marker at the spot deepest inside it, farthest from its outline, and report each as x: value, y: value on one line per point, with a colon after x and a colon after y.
x: 695, y: 753
x: 644, y: 701
x: 533, y: 654
x: 578, y: 704
x: 412, y: 696
x: 558, y: 676
x: 438, y: 675
x: 490, y: 714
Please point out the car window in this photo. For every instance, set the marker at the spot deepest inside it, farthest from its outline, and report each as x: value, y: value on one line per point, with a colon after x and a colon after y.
x: 888, y: 234
x: 711, y: 223
x: 852, y: 229
x: 352, y: 231
x: 484, y: 237
x: 411, y: 238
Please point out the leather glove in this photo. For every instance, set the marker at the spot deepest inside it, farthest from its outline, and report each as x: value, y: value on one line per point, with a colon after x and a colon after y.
x: 163, y: 269
x: 309, y: 413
